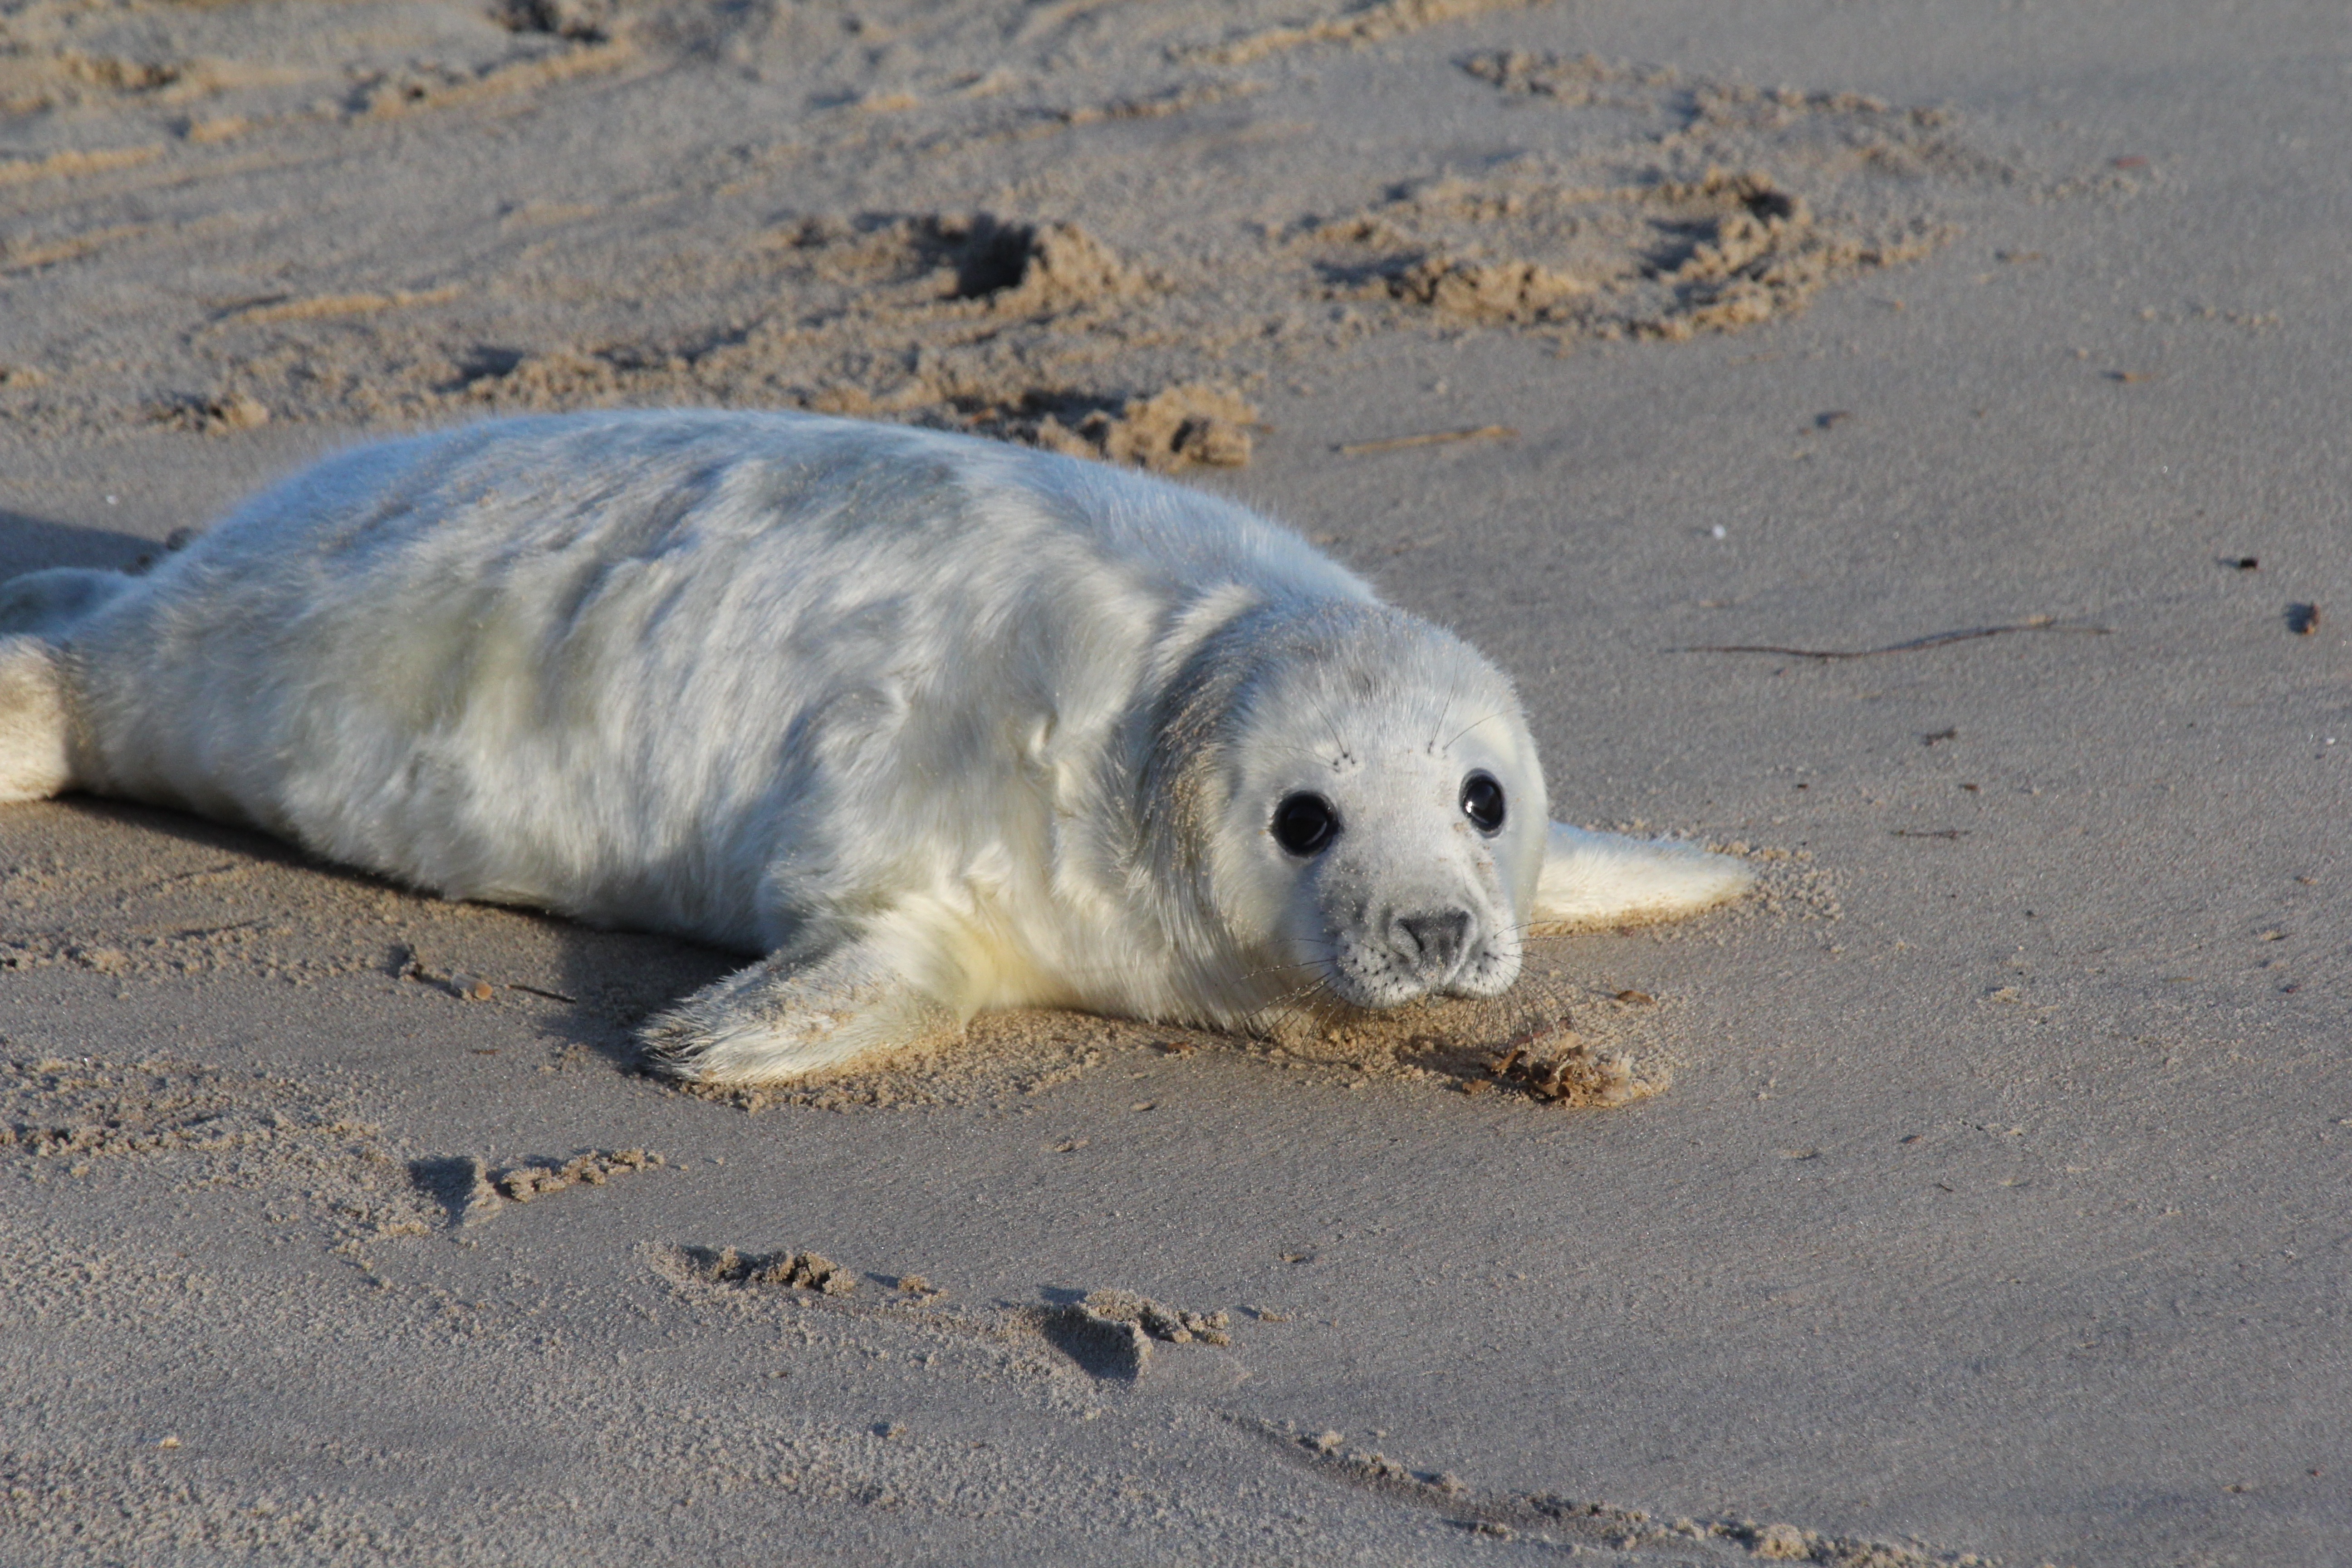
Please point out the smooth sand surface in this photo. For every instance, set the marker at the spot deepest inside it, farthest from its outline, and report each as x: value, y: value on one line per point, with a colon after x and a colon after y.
x: 1996, y: 1205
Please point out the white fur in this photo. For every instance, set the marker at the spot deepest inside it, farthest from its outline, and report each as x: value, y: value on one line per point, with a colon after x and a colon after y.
x: 33, y: 764
x: 935, y: 723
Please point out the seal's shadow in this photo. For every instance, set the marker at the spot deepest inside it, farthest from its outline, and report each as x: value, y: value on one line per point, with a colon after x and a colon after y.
x: 36, y: 544
x: 580, y: 989
x: 617, y: 980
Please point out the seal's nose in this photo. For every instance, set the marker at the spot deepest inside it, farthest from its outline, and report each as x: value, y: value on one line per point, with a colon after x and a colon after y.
x: 1431, y: 941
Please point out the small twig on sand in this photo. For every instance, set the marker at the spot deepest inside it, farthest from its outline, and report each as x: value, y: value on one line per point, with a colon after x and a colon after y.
x: 457, y: 982
x: 1916, y: 645
x: 1399, y: 443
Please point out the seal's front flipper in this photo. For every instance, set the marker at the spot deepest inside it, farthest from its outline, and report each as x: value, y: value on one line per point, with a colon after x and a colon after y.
x: 33, y: 731
x: 1600, y: 878
x: 782, y: 1019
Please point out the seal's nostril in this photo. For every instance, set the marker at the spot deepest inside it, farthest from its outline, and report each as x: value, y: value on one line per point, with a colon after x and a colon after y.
x: 1434, y: 939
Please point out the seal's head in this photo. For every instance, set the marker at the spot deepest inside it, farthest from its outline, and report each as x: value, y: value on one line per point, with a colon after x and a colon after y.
x: 1358, y: 806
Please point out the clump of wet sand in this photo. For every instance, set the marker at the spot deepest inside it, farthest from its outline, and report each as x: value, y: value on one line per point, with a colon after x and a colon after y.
x: 784, y: 1270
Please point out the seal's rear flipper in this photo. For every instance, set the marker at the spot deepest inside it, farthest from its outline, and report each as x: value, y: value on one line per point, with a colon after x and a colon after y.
x: 32, y: 721
x: 780, y: 1020
x: 37, y: 612
x: 1601, y: 879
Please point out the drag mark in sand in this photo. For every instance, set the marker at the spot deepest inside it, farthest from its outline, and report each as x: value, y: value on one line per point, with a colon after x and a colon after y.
x: 1431, y: 438
x: 69, y: 164
x: 1107, y: 1334
x: 1551, y: 1520
x: 320, y: 307
x: 1916, y: 645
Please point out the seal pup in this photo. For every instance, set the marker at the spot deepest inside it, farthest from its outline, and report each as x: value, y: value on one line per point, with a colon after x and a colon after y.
x: 933, y: 724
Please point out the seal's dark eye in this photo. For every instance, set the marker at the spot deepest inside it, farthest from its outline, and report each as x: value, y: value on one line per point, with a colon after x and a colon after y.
x: 1304, y: 824
x: 1482, y: 801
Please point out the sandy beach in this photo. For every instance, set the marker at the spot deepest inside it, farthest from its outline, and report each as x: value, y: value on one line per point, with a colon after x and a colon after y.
x: 1902, y: 444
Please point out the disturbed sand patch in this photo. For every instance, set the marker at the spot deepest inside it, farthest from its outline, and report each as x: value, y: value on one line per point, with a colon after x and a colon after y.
x: 213, y: 73
x: 1727, y: 205
x: 948, y: 318
x: 894, y: 249
x: 471, y: 1191
x: 785, y: 1270
x: 1658, y: 257
x: 1036, y: 329
x: 1549, y: 1040
x: 1111, y: 1333
x: 214, y: 1127
x: 1108, y: 1344
x: 51, y: 1108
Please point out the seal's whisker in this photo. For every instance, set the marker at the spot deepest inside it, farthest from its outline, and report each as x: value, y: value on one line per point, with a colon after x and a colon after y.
x: 1279, y: 969
x: 1291, y: 1005
x: 1437, y: 719
x: 1467, y: 728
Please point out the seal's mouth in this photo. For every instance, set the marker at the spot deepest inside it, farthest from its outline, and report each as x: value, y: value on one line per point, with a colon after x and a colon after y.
x: 1414, y: 953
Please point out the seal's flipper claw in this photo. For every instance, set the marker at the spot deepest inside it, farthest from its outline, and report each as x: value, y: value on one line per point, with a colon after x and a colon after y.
x: 1602, y: 878
x: 780, y: 1019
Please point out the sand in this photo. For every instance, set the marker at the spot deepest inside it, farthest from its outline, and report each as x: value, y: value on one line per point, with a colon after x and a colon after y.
x: 1976, y: 1192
